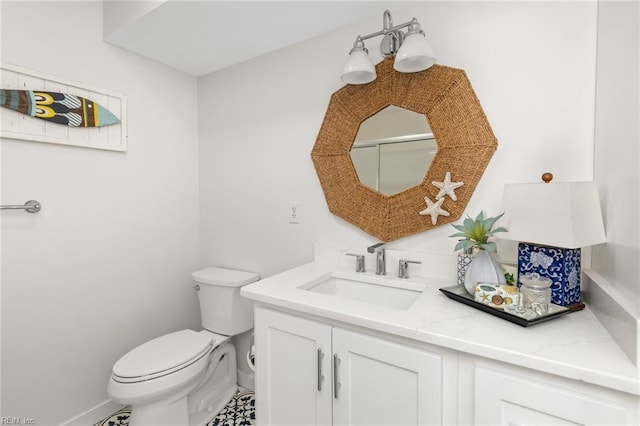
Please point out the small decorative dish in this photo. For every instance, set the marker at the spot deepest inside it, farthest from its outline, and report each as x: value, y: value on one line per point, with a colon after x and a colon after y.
x: 524, y: 319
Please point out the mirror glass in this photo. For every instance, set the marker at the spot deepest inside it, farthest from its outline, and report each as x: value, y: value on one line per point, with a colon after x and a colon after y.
x: 393, y: 150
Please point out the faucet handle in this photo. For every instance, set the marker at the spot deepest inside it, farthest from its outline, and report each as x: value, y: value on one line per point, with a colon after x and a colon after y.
x: 403, y: 267
x: 359, y: 261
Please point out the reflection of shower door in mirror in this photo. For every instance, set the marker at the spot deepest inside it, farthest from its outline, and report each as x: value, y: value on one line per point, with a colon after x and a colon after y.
x: 391, y: 166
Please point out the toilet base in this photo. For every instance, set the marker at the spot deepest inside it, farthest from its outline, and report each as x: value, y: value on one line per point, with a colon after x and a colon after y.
x: 197, y: 403
x: 216, y: 388
x: 247, y: 380
x: 176, y: 413
x: 202, y: 417
x: 160, y: 413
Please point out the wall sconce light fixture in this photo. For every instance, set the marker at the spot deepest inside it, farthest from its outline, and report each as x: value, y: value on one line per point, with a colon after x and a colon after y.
x: 411, y: 49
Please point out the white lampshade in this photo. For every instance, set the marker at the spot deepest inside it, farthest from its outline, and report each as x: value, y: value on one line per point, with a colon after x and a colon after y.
x: 415, y: 54
x: 565, y: 215
x: 359, y: 69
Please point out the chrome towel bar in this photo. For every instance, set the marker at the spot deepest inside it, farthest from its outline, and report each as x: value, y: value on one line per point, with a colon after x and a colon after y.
x: 31, y: 206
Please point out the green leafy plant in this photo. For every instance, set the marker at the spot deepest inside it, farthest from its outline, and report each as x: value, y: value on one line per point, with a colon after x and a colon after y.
x: 476, y: 233
x: 511, y: 280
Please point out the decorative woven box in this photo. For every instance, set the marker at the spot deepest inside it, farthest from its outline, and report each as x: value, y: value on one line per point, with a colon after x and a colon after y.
x: 561, y: 265
x: 497, y: 295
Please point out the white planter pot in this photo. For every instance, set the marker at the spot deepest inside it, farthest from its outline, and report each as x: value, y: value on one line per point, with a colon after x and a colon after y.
x: 484, y: 268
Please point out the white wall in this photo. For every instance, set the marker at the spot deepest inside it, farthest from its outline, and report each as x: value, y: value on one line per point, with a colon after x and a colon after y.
x: 617, y: 145
x: 615, y: 297
x: 532, y: 66
x: 105, y: 265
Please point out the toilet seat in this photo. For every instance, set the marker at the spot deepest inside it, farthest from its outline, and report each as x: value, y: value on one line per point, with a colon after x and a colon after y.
x: 163, y: 356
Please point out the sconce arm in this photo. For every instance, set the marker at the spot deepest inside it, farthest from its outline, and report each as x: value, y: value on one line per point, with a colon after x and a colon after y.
x: 386, y: 31
x: 387, y: 26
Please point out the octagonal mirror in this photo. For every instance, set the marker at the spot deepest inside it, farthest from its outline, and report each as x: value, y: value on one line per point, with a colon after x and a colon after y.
x: 393, y: 150
x: 466, y: 143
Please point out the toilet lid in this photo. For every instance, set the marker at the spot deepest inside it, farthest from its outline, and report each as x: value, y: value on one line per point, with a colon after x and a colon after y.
x: 163, y: 355
x: 224, y: 277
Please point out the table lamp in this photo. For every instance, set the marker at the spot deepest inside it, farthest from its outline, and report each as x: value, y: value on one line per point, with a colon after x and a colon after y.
x: 551, y: 222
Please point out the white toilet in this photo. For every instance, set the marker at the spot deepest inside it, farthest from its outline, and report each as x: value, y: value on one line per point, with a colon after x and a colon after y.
x: 185, y: 378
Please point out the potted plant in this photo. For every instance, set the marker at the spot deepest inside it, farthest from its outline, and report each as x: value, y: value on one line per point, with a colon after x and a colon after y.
x: 484, y: 267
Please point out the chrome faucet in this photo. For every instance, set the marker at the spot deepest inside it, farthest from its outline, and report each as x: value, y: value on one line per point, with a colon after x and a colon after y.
x: 381, y: 265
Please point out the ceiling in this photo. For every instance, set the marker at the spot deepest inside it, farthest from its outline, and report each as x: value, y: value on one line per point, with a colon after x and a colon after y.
x: 199, y: 37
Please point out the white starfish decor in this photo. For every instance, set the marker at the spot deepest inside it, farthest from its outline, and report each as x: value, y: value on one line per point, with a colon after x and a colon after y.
x: 447, y: 187
x: 434, y: 210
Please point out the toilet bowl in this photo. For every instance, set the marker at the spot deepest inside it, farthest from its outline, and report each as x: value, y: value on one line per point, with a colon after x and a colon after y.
x: 187, y: 377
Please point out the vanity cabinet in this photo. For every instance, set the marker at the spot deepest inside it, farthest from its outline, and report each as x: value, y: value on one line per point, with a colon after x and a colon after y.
x: 313, y: 373
x: 317, y: 372
x: 293, y: 370
x: 495, y: 393
x: 435, y: 362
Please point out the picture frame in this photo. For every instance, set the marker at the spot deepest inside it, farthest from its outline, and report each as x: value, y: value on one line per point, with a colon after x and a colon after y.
x: 16, y: 125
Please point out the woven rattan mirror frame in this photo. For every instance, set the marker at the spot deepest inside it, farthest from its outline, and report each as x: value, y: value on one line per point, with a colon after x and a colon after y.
x: 465, y: 140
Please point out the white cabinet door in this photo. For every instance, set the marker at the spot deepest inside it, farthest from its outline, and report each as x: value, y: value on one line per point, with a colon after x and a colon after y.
x: 293, y: 370
x: 384, y: 383
x: 504, y: 399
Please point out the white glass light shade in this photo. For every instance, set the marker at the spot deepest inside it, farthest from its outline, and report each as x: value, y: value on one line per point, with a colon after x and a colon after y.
x: 359, y: 69
x: 415, y: 54
x: 565, y: 215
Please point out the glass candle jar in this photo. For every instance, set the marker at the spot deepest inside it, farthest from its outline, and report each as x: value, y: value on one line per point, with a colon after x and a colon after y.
x: 536, y: 293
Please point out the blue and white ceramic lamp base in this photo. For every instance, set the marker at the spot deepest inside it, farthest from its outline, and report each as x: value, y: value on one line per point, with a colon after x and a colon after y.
x: 561, y: 265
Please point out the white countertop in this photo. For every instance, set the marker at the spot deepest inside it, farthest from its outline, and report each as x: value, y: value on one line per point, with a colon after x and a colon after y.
x: 575, y: 346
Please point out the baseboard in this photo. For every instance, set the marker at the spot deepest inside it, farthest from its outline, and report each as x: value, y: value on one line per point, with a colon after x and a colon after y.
x: 94, y: 415
x: 615, y: 312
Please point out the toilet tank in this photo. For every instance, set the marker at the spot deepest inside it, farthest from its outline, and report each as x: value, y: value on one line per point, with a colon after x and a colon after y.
x: 222, y: 308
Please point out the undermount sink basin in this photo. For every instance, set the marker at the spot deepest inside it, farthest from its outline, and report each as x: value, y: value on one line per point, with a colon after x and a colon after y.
x: 374, y: 291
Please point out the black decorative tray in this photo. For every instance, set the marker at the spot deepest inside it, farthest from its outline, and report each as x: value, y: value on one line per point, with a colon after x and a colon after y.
x: 529, y: 318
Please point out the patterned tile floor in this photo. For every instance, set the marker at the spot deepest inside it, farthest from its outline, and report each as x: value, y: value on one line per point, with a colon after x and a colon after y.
x: 240, y: 411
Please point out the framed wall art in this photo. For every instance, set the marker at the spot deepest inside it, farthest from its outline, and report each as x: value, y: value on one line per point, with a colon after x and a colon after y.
x: 41, y: 108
